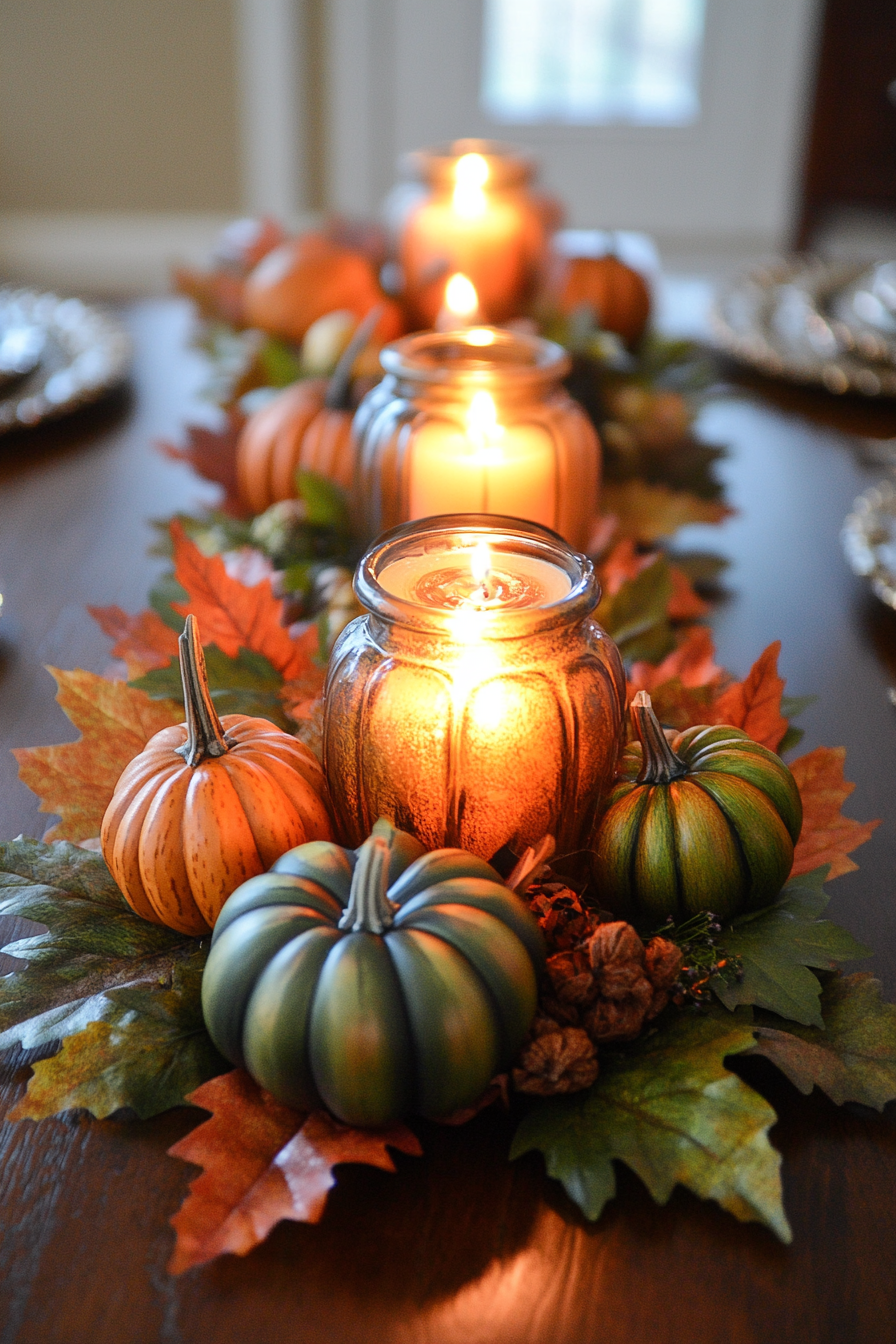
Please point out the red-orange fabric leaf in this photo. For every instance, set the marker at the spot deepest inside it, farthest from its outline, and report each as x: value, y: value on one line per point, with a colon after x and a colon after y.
x: 234, y: 616
x: 263, y: 1162
x: 755, y: 703
x: 685, y: 604
x: 212, y: 454
x: 692, y: 663
x: 143, y: 641
x: 77, y: 779
x: 827, y: 836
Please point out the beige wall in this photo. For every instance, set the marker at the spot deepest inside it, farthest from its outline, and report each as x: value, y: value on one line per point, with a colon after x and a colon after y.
x: 118, y: 105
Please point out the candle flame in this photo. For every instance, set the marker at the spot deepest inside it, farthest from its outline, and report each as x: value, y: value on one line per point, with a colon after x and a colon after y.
x: 461, y: 299
x: 480, y: 336
x: 483, y: 429
x: 481, y: 564
x: 470, y: 176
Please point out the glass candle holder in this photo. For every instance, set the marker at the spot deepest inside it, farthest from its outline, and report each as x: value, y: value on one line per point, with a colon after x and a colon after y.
x: 477, y: 703
x: 475, y: 421
x: 476, y: 216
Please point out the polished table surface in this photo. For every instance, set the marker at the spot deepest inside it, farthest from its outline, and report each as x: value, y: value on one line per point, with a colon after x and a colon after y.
x: 460, y: 1246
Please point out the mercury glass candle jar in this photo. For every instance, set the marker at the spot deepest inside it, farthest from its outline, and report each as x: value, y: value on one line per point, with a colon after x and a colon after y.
x: 476, y: 215
x: 475, y: 421
x: 477, y: 703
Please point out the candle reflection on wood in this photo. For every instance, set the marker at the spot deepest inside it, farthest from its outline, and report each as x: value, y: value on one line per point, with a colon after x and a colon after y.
x: 474, y: 707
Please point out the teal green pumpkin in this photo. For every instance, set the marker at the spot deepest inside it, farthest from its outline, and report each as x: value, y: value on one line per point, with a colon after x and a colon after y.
x: 378, y: 982
x: 707, y: 821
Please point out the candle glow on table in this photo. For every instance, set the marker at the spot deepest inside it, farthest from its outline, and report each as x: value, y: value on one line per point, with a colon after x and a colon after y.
x: 479, y: 220
x: 478, y: 704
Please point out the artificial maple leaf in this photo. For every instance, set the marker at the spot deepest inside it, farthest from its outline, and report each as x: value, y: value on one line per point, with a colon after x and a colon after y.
x: 754, y: 704
x: 685, y: 604
x: 827, y: 836
x: 212, y: 454
x: 77, y: 779
x: 234, y: 616
x: 649, y: 512
x: 143, y: 641
x: 692, y: 663
x: 263, y: 1162
x: 669, y: 1109
x: 623, y: 563
x: 781, y: 946
x: 852, y: 1057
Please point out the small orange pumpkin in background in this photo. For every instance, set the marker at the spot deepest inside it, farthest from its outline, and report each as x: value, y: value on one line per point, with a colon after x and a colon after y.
x: 307, y: 277
x: 208, y: 804
x: 617, y: 294
x: 307, y: 426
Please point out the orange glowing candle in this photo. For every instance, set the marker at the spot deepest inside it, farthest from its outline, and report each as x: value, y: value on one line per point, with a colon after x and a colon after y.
x: 478, y: 704
x: 480, y: 220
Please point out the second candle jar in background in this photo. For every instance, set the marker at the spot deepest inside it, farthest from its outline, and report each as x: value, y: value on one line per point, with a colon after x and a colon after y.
x: 477, y: 421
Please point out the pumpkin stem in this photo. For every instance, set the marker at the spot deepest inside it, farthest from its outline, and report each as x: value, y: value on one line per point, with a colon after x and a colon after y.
x: 369, y: 909
x: 338, y: 389
x: 205, y: 732
x: 659, y: 762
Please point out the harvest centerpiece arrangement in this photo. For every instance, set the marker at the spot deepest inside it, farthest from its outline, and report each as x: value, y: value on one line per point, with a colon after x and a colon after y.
x: 391, y: 821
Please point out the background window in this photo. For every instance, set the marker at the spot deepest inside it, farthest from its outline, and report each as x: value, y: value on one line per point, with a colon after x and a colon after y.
x: 593, y: 61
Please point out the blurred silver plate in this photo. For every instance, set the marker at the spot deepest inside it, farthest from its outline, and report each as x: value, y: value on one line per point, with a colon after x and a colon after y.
x: 812, y: 322
x: 869, y: 540
x: 55, y: 355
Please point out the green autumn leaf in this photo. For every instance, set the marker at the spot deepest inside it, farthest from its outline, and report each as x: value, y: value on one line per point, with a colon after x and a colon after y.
x: 672, y: 1112
x: 326, y: 502
x: 98, y: 963
x: 779, y: 944
x: 853, y: 1058
x: 636, y: 616
x: 246, y: 684
x: 146, y: 1049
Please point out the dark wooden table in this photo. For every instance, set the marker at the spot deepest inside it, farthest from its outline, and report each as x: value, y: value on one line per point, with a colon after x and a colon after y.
x: 460, y: 1247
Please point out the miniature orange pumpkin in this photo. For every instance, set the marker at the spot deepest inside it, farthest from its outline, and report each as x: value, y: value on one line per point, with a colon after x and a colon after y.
x: 617, y: 294
x: 208, y: 804
x: 303, y: 279
x: 308, y: 425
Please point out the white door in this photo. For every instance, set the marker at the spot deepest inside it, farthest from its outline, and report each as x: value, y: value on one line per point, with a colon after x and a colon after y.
x: 698, y: 143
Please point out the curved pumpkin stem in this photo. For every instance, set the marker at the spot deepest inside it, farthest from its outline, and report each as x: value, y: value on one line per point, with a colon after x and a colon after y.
x: 659, y: 762
x: 337, y: 397
x: 369, y: 909
x: 205, y: 732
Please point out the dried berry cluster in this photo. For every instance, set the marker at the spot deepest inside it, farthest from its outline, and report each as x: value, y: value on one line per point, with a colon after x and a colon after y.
x: 602, y: 984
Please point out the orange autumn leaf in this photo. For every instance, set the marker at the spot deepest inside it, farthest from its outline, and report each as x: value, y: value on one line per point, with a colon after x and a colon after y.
x: 234, y: 616
x: 685, y: 603
x: 622, y: 564
x: 77, y: 779
x: 212, y: 454
x: 827, y: 836
x: 143, y: 641
x: 263, y: 1162
x: 755, y: 703
x: 692, y: 663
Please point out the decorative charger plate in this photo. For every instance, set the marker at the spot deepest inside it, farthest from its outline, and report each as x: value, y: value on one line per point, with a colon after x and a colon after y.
x: 824, y: 323
x: 869, y: 539
x: 55, y: 355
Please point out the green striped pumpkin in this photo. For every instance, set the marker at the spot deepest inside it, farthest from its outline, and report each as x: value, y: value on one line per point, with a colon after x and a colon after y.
x: 378, y: 982
x: 706, y: 822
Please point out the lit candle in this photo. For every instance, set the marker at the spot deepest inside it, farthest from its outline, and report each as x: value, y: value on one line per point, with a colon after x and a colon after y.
x: 461, y: 305
x: 479, y: 704
x: 476, y: 420
x: 486, y: 466
x: 479, y: 220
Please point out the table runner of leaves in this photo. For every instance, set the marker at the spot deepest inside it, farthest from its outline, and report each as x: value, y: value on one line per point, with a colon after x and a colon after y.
x: 114, y: 1001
